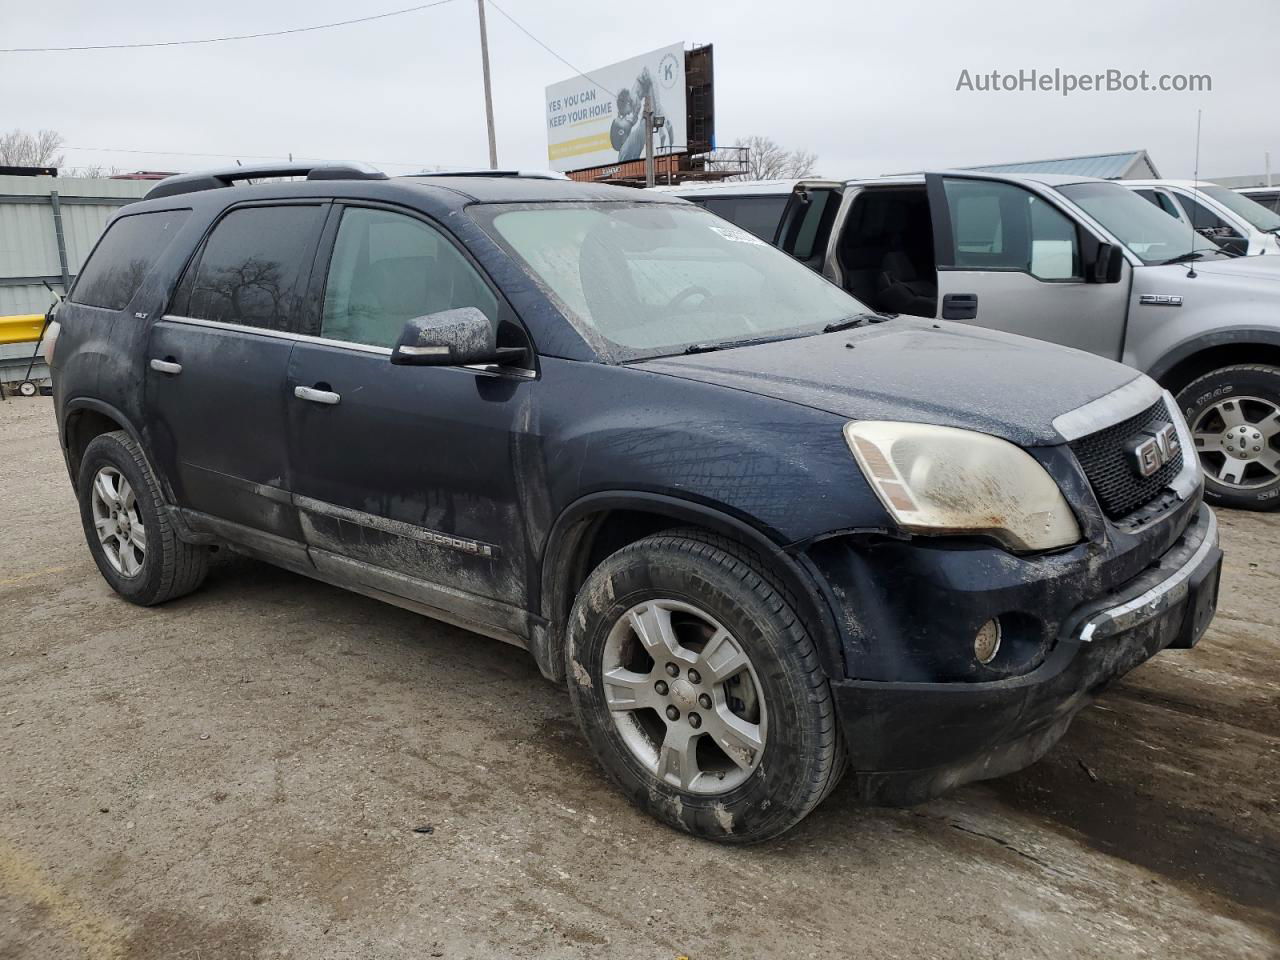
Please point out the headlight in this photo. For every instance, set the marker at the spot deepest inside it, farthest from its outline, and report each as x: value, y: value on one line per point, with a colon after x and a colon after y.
x: 942, y: 480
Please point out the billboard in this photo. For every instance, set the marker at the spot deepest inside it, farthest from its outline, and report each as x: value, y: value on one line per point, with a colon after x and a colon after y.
x: 596, y: 120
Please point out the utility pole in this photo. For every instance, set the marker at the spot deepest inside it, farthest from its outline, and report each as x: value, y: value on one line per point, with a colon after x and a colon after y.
x: 648, y: 142
x: 488, y: 90
x: 1268, y: 168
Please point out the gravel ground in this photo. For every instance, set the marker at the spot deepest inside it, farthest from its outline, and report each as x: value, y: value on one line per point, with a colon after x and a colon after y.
x: 239, y: 774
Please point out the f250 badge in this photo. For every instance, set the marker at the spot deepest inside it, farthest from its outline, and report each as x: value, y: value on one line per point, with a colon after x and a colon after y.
x: 1153, y: 448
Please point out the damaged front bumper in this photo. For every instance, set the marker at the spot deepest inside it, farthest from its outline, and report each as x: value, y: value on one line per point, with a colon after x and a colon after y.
x: 911, y: 741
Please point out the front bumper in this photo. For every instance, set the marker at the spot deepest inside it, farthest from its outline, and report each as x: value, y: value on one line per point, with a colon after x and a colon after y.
x: 908, y: 742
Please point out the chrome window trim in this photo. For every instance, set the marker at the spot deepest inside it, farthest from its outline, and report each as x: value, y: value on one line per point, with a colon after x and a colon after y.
x: 489, y: 369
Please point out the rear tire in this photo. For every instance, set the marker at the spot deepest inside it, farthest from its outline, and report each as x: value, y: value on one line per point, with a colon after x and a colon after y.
x: 715, y: 717
x: 1234, y: 416
x: 129, y: 532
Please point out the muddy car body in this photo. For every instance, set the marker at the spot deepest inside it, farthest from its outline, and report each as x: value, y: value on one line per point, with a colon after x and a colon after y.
x: 762, y: 534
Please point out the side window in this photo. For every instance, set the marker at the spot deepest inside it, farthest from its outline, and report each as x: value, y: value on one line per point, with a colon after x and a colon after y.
x: 756, y: 215
x: 388, y: 268
x: 124, y: 256
x: 1202, y: 218
x: 998, y: 226
x: 1161, y: 200
x: 251, y: 267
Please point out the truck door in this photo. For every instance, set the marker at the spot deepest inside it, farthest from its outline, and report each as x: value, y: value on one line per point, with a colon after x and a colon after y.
x: 806, y: 222
x: 1011, y: 259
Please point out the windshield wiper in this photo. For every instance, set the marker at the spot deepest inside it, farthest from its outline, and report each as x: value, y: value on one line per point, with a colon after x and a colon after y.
x: 730, y: 344
x: 857, y: 320
x: 1182, y: 258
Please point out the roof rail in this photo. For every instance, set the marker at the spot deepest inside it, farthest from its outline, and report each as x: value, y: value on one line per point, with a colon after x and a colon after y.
x: 214, y: 179
x: 527, y: 174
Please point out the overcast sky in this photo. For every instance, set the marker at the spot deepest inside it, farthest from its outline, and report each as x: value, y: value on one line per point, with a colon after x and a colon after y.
x: 870, y: 87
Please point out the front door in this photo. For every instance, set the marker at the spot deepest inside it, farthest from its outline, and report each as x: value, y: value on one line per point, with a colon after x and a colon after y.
x: 216, y: 371
x: 1011, y: 260
x: 405, y: 477
x: 806, y: 221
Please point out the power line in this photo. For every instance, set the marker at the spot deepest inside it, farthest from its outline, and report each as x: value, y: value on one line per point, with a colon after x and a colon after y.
x: 240, y: 36
x: 519, y: 27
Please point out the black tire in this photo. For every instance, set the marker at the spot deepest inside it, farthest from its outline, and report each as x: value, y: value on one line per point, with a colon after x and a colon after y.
x: 1256, y: 385
x: 170, y: 567
x: 803, y: 756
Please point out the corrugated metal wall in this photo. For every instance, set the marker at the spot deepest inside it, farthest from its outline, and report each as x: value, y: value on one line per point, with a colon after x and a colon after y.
x: 29, y: 237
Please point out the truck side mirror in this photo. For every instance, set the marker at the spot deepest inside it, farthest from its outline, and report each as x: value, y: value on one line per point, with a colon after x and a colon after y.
x: 1107, y: 265
x: 450, y: 338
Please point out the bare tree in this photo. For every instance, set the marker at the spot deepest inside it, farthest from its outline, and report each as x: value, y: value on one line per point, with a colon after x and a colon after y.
x: 764, y: 160
x: 21, y: 149
x: 93, y: 170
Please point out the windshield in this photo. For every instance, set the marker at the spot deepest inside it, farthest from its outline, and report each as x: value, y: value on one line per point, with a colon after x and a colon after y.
x: 1248, y: 210
x: 1149, y: 232
x: 656, y: 278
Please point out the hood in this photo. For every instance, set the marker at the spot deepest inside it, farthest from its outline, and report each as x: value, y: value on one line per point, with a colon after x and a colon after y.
x: 916, y: 370
x: 1259, y: 267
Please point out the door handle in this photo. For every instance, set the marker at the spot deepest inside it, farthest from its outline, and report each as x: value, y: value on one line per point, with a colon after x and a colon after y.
x: 316, y: 396
x: 960, y: 306
x: 166, y: 366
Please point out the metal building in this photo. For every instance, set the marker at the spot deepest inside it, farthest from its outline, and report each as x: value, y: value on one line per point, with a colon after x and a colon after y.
x: 1130, y: 165
x: 48, y: 225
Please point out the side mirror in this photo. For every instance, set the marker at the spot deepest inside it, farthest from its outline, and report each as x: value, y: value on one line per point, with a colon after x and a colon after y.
x: 451, y: 338
x: 1107, y: 265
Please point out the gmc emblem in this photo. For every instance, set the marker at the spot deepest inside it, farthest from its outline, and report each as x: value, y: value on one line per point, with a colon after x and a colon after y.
x: 1153, y: 448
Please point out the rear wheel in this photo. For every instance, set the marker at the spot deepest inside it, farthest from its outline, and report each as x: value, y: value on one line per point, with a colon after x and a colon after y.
x: 134, y: 543
x: 1234, y: 416
x: 699, y: 689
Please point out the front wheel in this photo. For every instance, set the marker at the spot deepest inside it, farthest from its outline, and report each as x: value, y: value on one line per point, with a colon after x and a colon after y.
x: 699, y: 689
x: 1234, y: 416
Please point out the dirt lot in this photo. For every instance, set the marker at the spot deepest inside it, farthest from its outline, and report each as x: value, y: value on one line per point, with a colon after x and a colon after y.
x: 239, y: 775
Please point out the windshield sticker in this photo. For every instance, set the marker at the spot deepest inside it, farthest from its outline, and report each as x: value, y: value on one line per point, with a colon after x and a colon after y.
x: 738, y: 236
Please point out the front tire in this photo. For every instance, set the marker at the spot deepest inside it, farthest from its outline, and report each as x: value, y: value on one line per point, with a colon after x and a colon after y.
x: 1234, y: 417
x: 132, y: 540
x: 699, y: 689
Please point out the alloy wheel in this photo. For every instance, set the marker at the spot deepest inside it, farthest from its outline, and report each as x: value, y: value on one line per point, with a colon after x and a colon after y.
x: 118, y: 522
x: 684, y: 696
x: 1235, y: 439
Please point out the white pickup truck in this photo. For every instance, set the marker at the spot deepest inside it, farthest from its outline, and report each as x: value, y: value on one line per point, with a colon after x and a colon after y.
x: 1082, y: 262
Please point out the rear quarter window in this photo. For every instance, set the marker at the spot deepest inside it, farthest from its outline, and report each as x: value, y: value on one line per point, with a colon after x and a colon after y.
x: 124, y: 256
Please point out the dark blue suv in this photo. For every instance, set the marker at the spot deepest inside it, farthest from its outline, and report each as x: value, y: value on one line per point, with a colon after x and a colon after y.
x: 764, y: 535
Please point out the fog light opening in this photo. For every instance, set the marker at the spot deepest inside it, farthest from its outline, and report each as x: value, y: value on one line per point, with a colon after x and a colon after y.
x: 986, y: 642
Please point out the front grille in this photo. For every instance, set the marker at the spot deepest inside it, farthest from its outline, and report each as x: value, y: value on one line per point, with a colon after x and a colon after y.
x: 1119, y: 487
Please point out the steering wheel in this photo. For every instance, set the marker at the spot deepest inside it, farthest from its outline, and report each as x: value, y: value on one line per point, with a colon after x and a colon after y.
x: 685, y: 294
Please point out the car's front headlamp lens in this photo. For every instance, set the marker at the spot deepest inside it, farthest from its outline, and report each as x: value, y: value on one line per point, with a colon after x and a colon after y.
x: 941, y: 480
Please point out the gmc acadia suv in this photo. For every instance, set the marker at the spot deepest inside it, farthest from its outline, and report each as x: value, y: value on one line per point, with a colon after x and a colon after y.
x: 764, y: 535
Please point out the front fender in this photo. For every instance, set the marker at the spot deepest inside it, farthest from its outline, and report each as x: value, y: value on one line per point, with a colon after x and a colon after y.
x: 570, y: 534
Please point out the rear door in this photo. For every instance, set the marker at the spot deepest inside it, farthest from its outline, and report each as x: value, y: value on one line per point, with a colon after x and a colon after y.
x: 408, y: 479
x: 1010, y: 259
x: 805, y: 228
x: 217, y: 364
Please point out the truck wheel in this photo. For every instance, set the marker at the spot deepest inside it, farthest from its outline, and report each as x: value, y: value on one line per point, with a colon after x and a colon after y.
x: 1234, y: 415
x: 699, y: 689
x: 130, y: 535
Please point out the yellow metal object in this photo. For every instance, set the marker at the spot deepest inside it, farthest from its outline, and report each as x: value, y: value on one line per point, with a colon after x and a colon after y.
x: 23, y: 328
